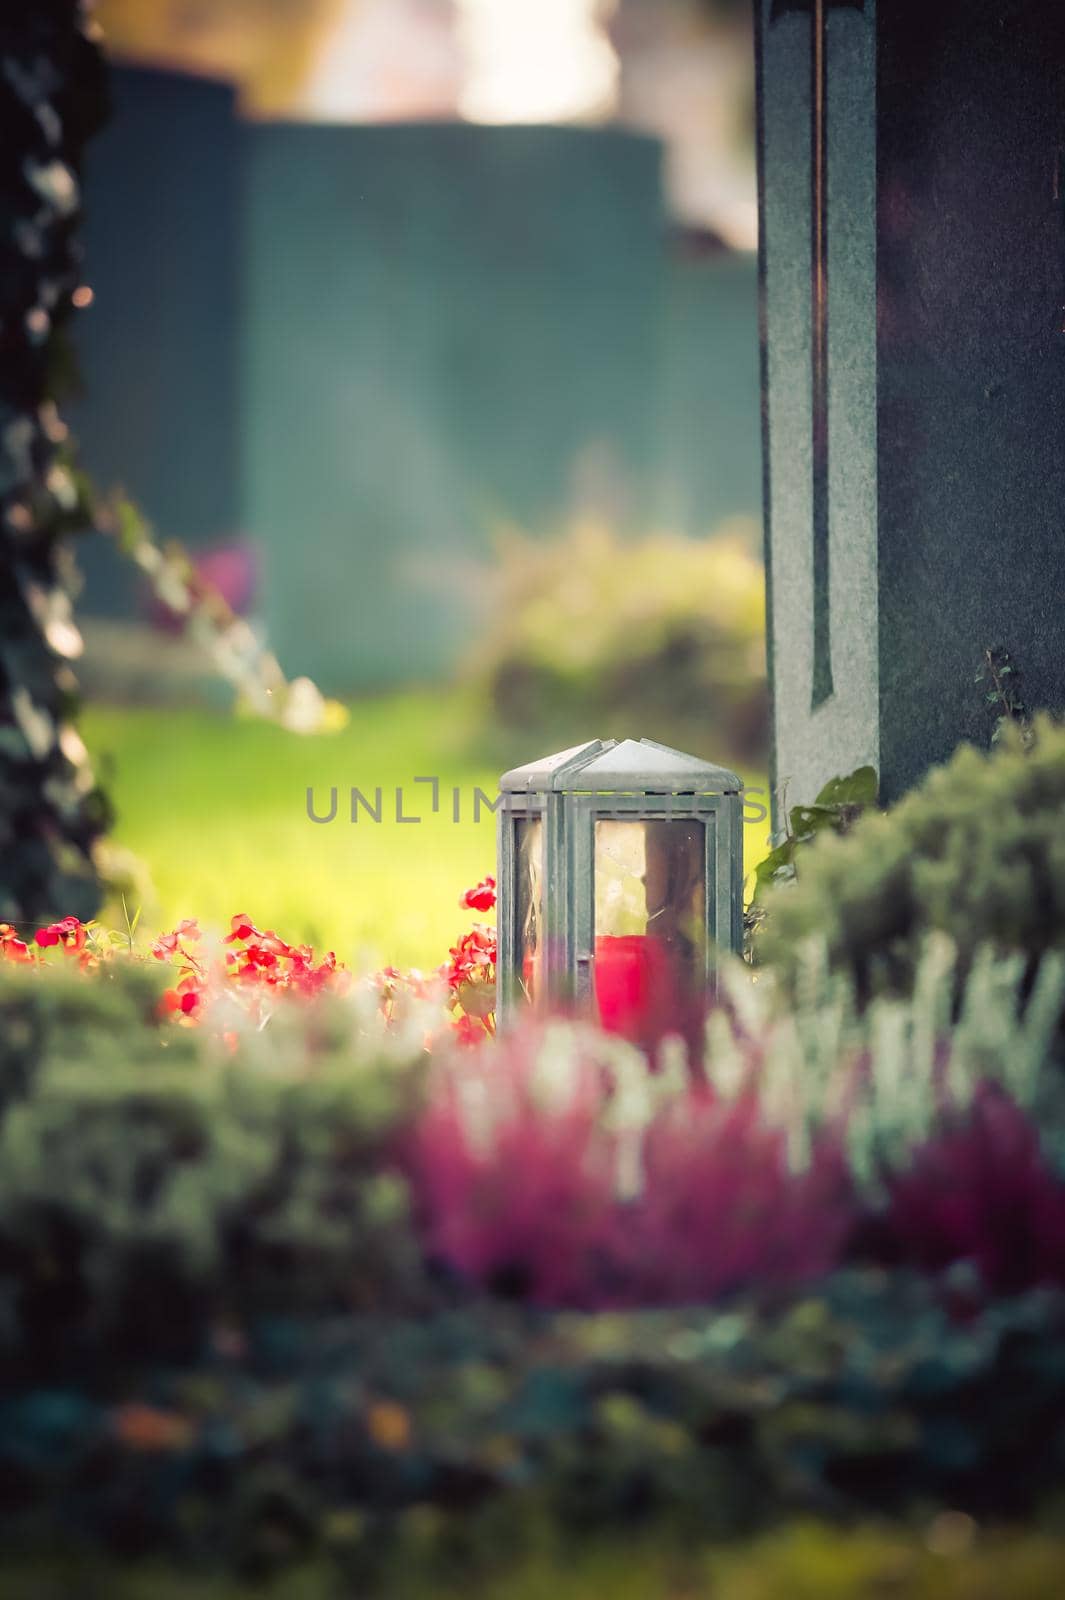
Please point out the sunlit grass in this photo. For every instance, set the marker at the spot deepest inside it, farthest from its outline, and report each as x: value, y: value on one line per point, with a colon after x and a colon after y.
x: 216, y: 809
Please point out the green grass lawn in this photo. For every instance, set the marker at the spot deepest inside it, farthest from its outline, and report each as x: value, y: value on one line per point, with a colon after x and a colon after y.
x: 216, y: 809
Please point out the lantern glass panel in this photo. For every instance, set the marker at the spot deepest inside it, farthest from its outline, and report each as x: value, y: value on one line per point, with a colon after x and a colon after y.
x: 650, y: 917
x: 530, y: 902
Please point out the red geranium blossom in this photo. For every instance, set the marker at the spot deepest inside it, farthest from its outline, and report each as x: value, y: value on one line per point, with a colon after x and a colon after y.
x: 68, y: 932
x: 260, y: 969
x: 480, y: 898
x: 12, y: 948
x: 168, y: 944
x: 185, y: 998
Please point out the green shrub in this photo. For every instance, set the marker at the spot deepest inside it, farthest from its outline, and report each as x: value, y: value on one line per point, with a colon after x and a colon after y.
x: 950, y: 1559
x: 976, y: 852
x: 181, y: 1210
x: 151, y: 1180
x: 58, y: 1017
x: 593, y: 634
x: 402, y: 1455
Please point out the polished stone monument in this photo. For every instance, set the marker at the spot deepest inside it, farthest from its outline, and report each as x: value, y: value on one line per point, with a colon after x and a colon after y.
x: 913, y: 284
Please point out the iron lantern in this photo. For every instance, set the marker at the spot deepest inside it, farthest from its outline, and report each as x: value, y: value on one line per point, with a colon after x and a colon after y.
x: 620, y: 877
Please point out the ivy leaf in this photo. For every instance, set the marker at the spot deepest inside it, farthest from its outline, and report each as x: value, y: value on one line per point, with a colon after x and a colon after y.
x: 839, y: 803
x: 858, y: 788
x: 777, y: 867
x: 806, y: 821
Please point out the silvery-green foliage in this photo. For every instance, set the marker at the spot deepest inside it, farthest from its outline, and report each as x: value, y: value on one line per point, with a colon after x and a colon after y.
x: 883, y: 1075
x: 975, y: 852
x: 141, y: 1161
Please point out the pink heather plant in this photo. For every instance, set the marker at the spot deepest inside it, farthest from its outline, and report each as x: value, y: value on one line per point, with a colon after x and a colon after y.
x: 520, y: 1167
x: 515, y: 1191
x: 721, y: 1208
x: 980, y: 1191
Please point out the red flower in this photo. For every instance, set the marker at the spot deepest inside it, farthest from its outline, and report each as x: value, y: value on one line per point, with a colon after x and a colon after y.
x: 169, y: 944
x: 68, y: 932
x: 260, y: 964
x: 471, y: 1030
x: 480, y: 898
x: 260, y: 956
x: 185, y: 1000
x: 12, y: 948
x: 474, y: 956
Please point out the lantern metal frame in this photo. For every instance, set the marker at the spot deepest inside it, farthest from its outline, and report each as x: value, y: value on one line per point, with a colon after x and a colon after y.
x: 628, y: 779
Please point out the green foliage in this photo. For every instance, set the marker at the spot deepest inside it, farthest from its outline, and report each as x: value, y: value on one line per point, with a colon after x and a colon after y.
x: 406, y: 1455
x: 949, y: 1559
x: 1001, y: 682
x: 150, y: 1182
x: 51, y: 101
x: 593, y: 634
x: 181, y: 1219
x: 949, y: 1036
x: 976, y: 852
x: 836, y: 810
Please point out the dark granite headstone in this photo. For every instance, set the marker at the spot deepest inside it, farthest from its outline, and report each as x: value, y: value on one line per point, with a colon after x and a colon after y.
x: 913, y: 261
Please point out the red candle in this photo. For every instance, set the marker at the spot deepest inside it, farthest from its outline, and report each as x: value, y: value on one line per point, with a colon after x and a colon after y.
x: 633, y: 980
x: 530, y: 973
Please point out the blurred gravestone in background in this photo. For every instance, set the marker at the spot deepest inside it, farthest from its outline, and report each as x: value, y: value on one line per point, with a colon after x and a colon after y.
x: 708, y: 464
x: 442, y: 323
x: 365, y: 345
x: 158, y: 345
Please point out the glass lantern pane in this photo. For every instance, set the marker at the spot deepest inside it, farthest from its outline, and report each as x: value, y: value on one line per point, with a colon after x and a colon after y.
x: 530, y: 902
x: 650, y: 921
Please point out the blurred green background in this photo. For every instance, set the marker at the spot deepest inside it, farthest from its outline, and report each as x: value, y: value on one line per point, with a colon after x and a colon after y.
x: 429, y: 329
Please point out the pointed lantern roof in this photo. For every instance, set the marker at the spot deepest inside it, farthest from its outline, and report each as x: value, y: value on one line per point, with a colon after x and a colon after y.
x: 624, y: 766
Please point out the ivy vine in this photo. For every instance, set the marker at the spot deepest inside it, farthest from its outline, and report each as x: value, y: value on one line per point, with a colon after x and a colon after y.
x: 52, y: 99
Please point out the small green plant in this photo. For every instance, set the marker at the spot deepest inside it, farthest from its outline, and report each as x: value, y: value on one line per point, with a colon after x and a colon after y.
x: 837, y: 808
x: 1000, y: 679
